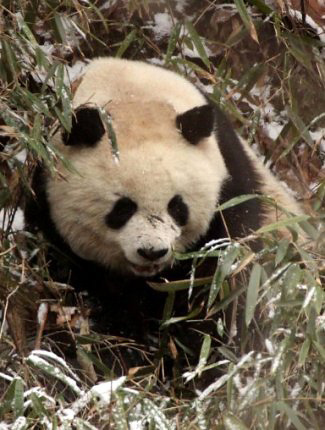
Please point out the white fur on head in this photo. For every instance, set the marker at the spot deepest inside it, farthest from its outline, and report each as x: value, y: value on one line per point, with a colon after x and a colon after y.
x: 156, y: 164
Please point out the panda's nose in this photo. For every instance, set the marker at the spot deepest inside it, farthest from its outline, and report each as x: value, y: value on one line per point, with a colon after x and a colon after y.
x: 152, y: 254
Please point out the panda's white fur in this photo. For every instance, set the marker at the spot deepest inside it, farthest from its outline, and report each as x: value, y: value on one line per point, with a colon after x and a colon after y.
x: 155, y: 164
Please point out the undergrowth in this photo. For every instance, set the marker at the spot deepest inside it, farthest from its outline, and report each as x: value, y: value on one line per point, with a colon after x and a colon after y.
x: 265, y: 67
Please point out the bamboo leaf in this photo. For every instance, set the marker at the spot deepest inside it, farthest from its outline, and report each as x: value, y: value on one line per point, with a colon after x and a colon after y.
x: 205, y: 350
x: 232, y: 422
x: 246, y: 19
x: 304, y: 352
x: 9, y: 61
x: 281, y: 251
x: 224, y: 268
x: 119, y: 414
x: 301, y: 126
x: 105, y: 117
x: 175, y: 320
x: 126, y: 43
x: 169, y: 305
x: 156, y: 415
x: 292, y: 415
x: 252, y: 293
x: 198, y: 44
x: 237, y: 201
x: 7, y: 401
x: 320, y: 349
x: 226, y: 302
x: 38, y: 406
x: 261, y: 5
x: 179, y: 285
x: 18, y: 402
x: 59, y: 28
x: 173, y: 39
x: 283, y: 223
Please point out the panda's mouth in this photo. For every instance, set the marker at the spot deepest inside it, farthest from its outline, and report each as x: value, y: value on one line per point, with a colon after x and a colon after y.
x: 146, y: 271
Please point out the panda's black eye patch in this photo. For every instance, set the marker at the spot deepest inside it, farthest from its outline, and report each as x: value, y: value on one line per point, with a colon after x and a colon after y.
x: 122, y: 211
x: 178, y: 210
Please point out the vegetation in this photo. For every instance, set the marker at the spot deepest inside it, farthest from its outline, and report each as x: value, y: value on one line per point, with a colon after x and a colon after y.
x: 266, y: 68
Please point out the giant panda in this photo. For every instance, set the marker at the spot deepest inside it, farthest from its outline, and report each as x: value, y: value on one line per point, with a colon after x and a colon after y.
x: 120, y: 216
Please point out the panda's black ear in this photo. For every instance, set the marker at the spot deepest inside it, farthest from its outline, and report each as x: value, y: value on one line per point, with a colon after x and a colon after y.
x: 196, y: 123
x: 86, y: 129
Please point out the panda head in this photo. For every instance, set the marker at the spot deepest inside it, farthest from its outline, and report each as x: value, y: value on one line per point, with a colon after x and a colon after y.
x: 160, y: 196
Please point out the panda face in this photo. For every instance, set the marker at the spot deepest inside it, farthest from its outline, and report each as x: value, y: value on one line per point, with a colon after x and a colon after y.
x: 146, y: 237
x: 155, y: 244
x: 131, y: 215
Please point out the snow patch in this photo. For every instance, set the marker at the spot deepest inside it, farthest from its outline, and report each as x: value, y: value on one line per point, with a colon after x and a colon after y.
x: 74, y: 72
x: 319, y: 31
x: 17, y: 223
x: 181, y: 5
x: 163, y: 25
x: 42, y: 313
x: 21, y: 156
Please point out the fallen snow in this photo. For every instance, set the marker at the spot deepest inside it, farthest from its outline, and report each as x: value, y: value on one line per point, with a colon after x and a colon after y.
x: 55, y: 357
x: 19, y: 424
x: 319, y: 30
x: 163, y: 25
x: 74, y: 72
x: 21, y: 156
x: 101, y: 392
x: 55, y: 372
x: 42, y: 313
x: 180, y: 5
x: 17, y: 223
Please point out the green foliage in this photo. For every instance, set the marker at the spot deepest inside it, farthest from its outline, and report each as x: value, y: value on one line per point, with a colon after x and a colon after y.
x: 270, y: 373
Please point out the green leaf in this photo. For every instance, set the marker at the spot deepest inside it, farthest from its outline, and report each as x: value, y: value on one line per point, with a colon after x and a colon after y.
x: 226, y: 302
x: 299, y: 50
x: 226, y: 352
x: 281, y: 252
x: 173, y: 39
x: 291, y: 279
x: 26, y: 30
x: 63, y: 92
x: 175, y: 320
x: 301, y: 126
x: 237, y: 201
x: 198, y: 44
x: 38, y: 406
x: 283, y: 223
x: 184, y: 284
x: 18, y: 401
x: 246, y: 19
x: 8, y: 401
x: 260, y: 4
x: 119, y: 413
x: 320, y: 349
x: 303, y: 353
x: 311, y: 231
x: 9, y: 61
x: 105, y: 117
x: 224, y: 268
x: 252, y: 293
x: 156, y: 415
x: 250, y: 78
x: 205, y: 350
x: 292, y: 415
x: 231, y: 422
x: 169, y: 305
x: 59, y: 28
x: 126, y: 43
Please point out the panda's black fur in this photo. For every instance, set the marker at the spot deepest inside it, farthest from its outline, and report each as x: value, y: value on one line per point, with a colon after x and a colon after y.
x: 125, y: 304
